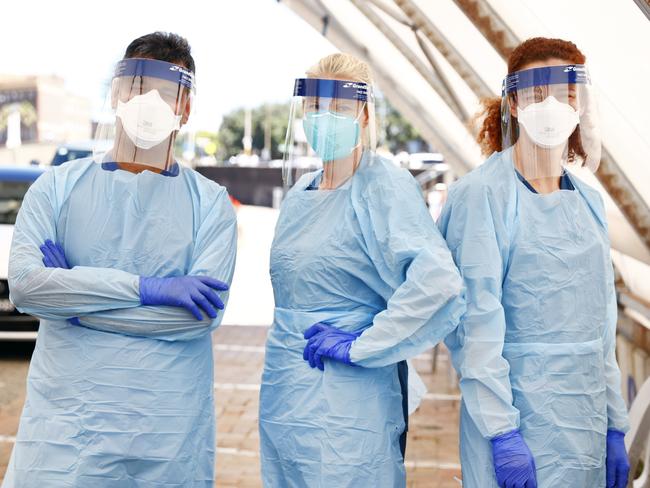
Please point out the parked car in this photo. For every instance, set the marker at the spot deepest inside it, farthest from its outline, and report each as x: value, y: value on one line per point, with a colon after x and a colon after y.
x: 14, y: 182
x: 424, y: 160
x: 73, y: 150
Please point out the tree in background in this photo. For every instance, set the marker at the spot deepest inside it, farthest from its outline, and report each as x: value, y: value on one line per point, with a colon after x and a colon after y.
x: 208, y: 141
x: 231, y: 131
x: 395, y: 132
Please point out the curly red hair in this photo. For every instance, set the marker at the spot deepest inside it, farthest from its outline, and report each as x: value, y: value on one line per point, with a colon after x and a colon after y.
x: 529, y: 51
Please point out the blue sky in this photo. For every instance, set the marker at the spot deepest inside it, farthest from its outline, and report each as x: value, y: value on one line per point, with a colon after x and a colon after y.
x: 246, y: 51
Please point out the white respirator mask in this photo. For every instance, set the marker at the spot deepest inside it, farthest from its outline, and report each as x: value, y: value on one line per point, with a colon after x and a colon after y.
x: 147, y: 119
x: 548, y: 123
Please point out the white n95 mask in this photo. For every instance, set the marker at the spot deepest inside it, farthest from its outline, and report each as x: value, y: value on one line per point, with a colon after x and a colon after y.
x: 548, y: 123
x: 147, y: 119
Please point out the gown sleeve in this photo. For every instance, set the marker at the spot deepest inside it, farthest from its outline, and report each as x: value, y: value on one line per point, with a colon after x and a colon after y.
x: 411, y: 257
x: 54, y: 293
x: 617, y: 414
x: 214, y: 256
x: 475, y: 233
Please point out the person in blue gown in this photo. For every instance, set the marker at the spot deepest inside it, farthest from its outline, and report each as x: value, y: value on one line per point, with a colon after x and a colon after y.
x: 126, y: 263
x: 362, y: 281
x: 541, y: 400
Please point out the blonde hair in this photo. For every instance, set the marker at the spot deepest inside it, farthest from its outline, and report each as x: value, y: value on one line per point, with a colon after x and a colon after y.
x: 341, y: 65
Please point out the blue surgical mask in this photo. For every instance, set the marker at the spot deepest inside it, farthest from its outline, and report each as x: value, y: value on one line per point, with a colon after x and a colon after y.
x: 331, y: 135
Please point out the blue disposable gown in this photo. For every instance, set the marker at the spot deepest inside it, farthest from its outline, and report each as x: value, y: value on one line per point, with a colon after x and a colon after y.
x: 536, y: 349
x: 126, y: 399
x: 366, y: 256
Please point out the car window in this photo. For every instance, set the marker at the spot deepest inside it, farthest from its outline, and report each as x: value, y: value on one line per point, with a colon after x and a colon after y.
x: 63, y: 155
x: 11, y: 197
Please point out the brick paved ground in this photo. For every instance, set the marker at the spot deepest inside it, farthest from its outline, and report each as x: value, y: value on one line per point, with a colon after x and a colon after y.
x: 432, y: 453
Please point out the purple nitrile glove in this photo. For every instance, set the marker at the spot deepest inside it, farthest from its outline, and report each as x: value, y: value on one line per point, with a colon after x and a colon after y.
x: 54, y: 257
x: 618, y: 465
x: 325, y: 341
x: 192, y: 293
x: 514, y: 465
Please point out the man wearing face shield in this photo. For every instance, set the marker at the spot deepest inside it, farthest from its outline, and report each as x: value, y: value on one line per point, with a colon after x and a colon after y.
x: 126, y: 258
x: 362, y: 281
x: 542, y: 405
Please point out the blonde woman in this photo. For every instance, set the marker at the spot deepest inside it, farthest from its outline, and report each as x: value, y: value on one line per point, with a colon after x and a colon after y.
x: 362, y: 280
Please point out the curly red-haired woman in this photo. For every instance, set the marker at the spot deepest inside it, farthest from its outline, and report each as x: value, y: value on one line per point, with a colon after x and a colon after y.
x: 536, y: 350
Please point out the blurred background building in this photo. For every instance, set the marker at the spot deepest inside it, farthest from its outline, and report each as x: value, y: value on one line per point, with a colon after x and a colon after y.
x: 37, y: 113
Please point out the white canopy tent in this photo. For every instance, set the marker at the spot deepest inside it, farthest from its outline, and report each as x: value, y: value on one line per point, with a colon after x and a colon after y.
x: 434, y: 60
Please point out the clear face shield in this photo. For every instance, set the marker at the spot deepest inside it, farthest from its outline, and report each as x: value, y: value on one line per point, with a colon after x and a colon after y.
x: 331, y: 125
x: 549, y: 115
x: 147, y: 104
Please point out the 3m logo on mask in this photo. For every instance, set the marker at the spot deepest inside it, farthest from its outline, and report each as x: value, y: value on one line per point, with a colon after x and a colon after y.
x: 147, y: 119
x: 548, y: 123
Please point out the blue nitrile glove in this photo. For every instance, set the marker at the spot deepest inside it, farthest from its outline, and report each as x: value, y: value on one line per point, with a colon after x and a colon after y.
x: 618, y: 465
x: 323, y: 340
x: 53, y: 255
x: 514, y: 465
x: 188, y: 292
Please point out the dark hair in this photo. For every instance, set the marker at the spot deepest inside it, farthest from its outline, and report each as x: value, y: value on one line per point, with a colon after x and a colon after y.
x: 529, y: 51
x: 164, y: 46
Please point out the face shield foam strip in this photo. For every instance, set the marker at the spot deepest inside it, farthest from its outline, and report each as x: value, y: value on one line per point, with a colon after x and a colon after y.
x: 314, y: 87
x: 155, y: 69
x: 548, y: 75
